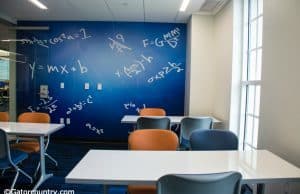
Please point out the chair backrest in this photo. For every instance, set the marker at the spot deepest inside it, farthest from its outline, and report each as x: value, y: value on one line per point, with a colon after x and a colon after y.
x: 4, y: 147
x: 228, y: 182
x: 34, y: 117
x: 153, y: 139
x: 4, y: 116
x: 153, y: 123
x: 152, y: 112
x: 190, y: 124
x: 213, y: 139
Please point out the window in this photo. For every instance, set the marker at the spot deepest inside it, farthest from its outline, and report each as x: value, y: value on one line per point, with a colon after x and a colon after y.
x: 4, y: 69
x: 4, y: 65
x: 251, y: 76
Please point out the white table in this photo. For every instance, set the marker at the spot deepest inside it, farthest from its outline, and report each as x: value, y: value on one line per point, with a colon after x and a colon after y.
x: 145, y: 167
x: 131, y: 119
x: 40, y: 130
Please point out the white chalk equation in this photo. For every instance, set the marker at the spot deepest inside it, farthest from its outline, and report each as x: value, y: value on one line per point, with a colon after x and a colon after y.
x: 165, y: 71
x: 171, y: 38
x: 80, y: 105
x: 60, y: 69
x: 118, y: 44
x: 130, y: 105
x: 94, y: 129
x: 48, y: 104
x: 135, y: 68
x: 81, y: 34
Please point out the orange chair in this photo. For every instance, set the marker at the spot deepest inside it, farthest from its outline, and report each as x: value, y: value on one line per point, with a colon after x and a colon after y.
x: 150, y: 139
x: 4, y: 117
x: 34, y: 146
x: 152, y: 112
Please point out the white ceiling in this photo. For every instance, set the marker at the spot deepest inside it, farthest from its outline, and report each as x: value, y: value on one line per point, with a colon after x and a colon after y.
x: 99, y: 10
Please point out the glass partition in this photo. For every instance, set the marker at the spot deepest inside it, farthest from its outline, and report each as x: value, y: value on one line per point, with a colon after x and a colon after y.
x: 7, y: 69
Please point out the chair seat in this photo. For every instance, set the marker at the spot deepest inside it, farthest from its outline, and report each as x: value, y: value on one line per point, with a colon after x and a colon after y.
x: 17, y: 156
x: 27, y: 146
x: 141, y: 189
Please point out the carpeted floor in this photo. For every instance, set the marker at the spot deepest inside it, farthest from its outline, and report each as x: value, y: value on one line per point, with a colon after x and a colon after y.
x: 67, y: 155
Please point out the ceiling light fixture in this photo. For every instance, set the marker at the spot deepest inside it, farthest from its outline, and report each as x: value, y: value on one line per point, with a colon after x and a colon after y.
x: 4, y: 53
x: 184, y: 5
x: 14, y: 40
x: 38, y: 4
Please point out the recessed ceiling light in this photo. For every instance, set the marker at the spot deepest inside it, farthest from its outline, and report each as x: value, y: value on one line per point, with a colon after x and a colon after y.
x: 38, y: 4
x: 184, y: 5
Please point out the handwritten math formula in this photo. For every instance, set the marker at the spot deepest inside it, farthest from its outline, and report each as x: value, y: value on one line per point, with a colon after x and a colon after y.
x: 94, y: 129
x: 60, y: 69
x: 118, y: 44
x: 48, y: 104
x: 130, y: 105
x: 81, y: 34
x: 80, y: 105
x: 135, y: 68
x: 165, y: 71
x: 171, y: 38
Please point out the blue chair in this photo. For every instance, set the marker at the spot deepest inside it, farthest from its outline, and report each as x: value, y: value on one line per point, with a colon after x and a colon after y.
x: 11, y: 158
x: 213, y: 139
x: 227, y: 183
x: 153, y: 123
x: 190, y: 124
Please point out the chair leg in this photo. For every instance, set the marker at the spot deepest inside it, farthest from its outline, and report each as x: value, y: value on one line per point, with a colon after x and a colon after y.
x: 37, y: 169
x: 17, y: 175
x: 52, y: 159
x: 15, y: 179
x: 25, y: 174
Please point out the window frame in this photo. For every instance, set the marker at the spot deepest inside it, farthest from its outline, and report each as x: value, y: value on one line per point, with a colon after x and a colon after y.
x: 251, y: 79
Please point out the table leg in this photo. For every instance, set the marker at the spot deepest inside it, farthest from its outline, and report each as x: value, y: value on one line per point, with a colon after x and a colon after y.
x: 44, y: 176
x: 260, y: 188
x: 105, y: 189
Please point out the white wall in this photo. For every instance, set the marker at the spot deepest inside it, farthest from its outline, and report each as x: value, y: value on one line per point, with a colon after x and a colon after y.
x: 222, y: 54
x: 201, y: 66
x: 279, y: 129
x: 209, y: 61
x: 280, y: 94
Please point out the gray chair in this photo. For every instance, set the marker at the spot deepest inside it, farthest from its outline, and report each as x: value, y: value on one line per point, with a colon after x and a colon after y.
x: 153, y: 123
x: 213, y: 139
x: 218, y: 183
x: 11, y: 158
x: 190, y: 124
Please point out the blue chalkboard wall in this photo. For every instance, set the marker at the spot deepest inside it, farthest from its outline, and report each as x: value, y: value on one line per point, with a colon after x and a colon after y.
x: 124, y: 65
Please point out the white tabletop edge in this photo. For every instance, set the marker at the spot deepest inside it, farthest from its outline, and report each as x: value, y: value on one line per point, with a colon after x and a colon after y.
x: 132, y: 118
x: 30, y: 129
x: 70, y: 178
x: 107, y: 182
